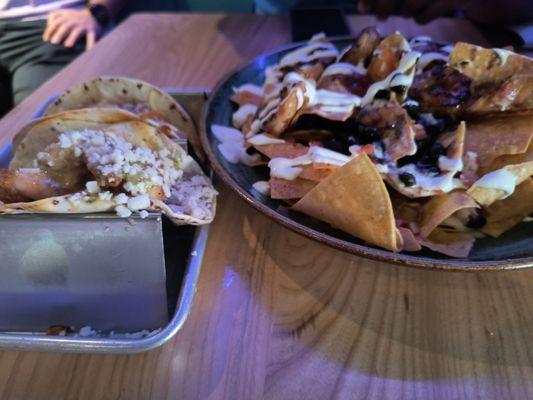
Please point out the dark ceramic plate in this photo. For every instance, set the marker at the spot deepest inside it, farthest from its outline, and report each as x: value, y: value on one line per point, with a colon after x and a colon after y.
x: 512, y: 250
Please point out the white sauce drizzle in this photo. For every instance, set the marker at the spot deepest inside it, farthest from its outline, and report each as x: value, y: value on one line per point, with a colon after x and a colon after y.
x: 426, y: 58
x: 342, y: 68
x: 450, y: 164
x: 503, y: 54
x: 249, y: 87
x: 428, y: 184
x: 448, y: 48
x: 335, y: 102
x: 501, y: 179
x: 407, y: 62
x: 289, y: 168
x: 232, y: 145
x: 308, y: 53
x: 420, y: 39
x: 241, y: 115
x: 262, y: 138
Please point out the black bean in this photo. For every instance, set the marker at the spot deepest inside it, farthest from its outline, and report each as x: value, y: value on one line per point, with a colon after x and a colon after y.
x: 367, y: 134
x: 382, y: 94
x: 407, y: 179
x: 413, y: 110
x: 351, y: 140
x: 399, y: 89
x: 335, y: 144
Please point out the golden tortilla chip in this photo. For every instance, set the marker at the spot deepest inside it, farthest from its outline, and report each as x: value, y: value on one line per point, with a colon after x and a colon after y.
x: 438, y: 208
x: 495, y: 137
x: 285, y: 150
x: 363, y: 47
x: 485, y: 196
x: 283, y: 189
x: 244, y: 96
x: 409, y: 240
x: 453, y: 244
x: 317, y: 171
x: 390, y: 51
x: 488, y: 65
x: 355, y: 200
x: 513, y: 95
x: 505, y: 214
x: 503, y: 161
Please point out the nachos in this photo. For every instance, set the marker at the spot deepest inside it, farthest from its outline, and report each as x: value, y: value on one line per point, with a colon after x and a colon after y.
x: 402, y: 143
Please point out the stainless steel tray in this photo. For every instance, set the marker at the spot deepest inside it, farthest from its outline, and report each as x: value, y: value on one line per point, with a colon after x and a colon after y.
x: 186, y: 265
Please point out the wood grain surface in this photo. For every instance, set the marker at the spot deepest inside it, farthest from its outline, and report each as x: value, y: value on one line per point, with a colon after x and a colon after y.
x: 277, y: 316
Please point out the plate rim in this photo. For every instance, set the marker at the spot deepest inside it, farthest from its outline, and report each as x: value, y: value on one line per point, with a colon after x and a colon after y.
x: 373, y: 253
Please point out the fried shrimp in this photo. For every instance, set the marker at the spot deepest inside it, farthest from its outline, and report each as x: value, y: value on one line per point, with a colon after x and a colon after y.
x: 26, y: 184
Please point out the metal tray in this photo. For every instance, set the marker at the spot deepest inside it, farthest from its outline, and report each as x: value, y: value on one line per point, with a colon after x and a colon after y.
x: 182, y: 270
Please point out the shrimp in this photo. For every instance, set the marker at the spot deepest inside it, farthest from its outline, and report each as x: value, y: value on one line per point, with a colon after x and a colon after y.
x: 26, y: 185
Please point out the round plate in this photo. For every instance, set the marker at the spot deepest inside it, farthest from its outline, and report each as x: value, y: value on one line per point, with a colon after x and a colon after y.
x: 512, y: 250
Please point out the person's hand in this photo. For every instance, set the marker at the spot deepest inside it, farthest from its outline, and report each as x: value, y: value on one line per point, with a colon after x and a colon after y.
x: 67, y: 26
x: 422, y: 11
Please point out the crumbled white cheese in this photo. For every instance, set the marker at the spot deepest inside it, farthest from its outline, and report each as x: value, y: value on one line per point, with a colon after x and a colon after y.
x: 143, y: 214
x: 139, y: 202
x: 87, y: 331
x: 121, y: 198
x: 105, y: 196
x: 193, y: 197
x: 123, y: 211
x: 92, y: 187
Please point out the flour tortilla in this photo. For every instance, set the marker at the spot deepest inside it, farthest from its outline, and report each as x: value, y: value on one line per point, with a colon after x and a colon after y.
x: 46, y: 131
x: 119, y: 90
x: 355, y: 200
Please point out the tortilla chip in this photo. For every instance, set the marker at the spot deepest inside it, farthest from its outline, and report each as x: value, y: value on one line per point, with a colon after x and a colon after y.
x: 453, y: 244
x: 285, y: 112
x: 285, y: 150
x: 503, y: 161
x: 495, y: 137
x: 390, y: 52
x: 438, y: 208
x: 317, y: 171
x: 355, y: 200
x: 283, y: 189
x: 454, y: 141
x: 485, y: 65
x: 486, y: 196
x: 513, y: 95
x: 363, y: 47
x: 504, y: 214
x: 243, y: 96
x: 409, y: 240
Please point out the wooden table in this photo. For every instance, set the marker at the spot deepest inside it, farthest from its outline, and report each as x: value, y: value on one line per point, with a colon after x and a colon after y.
x: 276, y: 315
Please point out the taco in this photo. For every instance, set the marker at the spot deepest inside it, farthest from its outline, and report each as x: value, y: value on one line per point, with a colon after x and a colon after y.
x: 98, y: 159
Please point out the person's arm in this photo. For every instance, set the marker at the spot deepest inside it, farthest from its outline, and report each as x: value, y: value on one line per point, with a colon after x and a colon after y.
x: 66, y: 26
